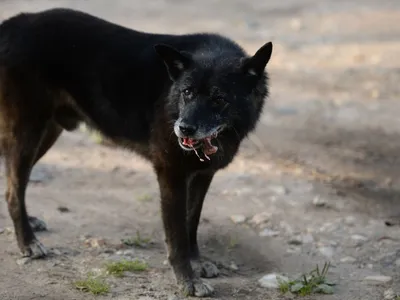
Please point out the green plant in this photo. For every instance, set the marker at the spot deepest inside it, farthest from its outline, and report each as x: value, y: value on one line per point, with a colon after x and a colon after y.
x: 118, y: 268
x: 314, y: 282
x: 93, y: 285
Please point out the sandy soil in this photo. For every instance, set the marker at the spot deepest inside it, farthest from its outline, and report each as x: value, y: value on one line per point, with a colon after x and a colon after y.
x: 322, y: 165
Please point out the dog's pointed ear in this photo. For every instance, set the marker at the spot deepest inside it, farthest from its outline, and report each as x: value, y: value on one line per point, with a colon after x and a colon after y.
x: 256, y: 64
x: 175, y: 61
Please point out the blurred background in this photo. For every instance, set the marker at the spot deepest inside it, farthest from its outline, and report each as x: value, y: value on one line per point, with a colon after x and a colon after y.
x: 318, y: 180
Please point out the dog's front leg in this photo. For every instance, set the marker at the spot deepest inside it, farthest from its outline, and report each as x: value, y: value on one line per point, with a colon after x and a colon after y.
x: 173, y: 189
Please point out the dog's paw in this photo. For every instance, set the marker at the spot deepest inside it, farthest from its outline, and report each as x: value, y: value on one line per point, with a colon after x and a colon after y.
x: 205, y: 269
x: 37, y: 224
x: 34, y: 250
x: 197, y: 288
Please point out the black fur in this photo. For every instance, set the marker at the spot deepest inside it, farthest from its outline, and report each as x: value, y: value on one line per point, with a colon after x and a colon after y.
x: 60, y: 67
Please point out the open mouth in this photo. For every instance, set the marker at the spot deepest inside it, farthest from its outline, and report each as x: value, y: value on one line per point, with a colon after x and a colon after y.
x: 204, y: 144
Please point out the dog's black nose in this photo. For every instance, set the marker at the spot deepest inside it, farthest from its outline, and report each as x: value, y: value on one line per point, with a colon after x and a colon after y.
x: 187, y: 129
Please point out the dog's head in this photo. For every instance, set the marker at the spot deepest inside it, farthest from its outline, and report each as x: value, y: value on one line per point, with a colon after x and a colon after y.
x: 212, y: 92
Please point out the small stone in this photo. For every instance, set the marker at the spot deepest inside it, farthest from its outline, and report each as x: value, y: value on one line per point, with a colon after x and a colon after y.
x: 268, y: 233
x: 95, y: 242
x: 359, y: 238
x: 2, y: 230
x: 397, y: 262
x: 173, y: 298
x: 39, y: 176
x: 319, y: 202
x: 347, y: 259
x: 260, y: 218
x: 389, y: 295
x: 270, y: 281
x: 378, y: 279
x: 129, y: 252
x: 350, y: 220
x: 328, y: 227
x: 370, y: 266
x: 238, y: 219
x: 326, y: 251
x: 233, y: 266
x: 23, y: 261
x: 278, y: 189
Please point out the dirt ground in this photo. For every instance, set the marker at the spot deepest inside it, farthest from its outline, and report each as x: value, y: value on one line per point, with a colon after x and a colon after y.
x: 321, y: 173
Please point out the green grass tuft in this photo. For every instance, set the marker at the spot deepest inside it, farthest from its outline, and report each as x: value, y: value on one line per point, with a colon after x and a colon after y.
x: 137, y: 241
x: 118, y: 268
x: 93, y: 285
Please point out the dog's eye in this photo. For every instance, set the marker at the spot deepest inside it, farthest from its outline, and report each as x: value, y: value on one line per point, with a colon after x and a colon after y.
x: 187, y: 93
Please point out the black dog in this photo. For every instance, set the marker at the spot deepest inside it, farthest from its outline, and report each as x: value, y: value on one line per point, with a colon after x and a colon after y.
x: 184, y: 102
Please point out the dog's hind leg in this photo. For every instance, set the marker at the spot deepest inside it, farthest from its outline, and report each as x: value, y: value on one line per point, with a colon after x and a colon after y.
x: 197, y: 190
x: 25, y: 117
x: 19, y: 159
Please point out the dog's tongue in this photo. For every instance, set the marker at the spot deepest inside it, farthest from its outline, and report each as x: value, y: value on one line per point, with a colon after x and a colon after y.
x: 209, y: 148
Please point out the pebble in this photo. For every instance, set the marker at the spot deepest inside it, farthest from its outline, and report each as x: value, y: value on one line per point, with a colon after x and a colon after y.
x: 129, y: 252
x: 347, y: 259
x: 95, y: 242
x: 378, y: 279
x: 39, y: 176
x: 268, y: 233
x: 326, y: 251
x: 329, y: 227
x: 270, y: 281
x: 260, y: 218
x: 397, y: 262
x: 359, y: 238
x: 173, y: 298
x: 278, y: 189
x: 389, y: 295
x: 319, y: 202
x: 350, y: 220
x: 238, y: 219
x: 233, y: 266
x: 2, y: 230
